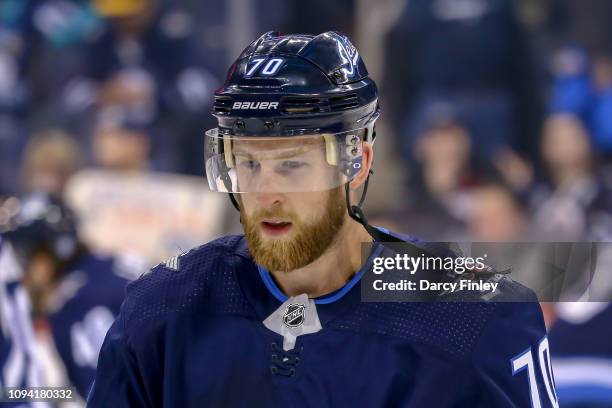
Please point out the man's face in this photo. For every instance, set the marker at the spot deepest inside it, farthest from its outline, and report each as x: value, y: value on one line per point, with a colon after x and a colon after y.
x: 41, y: 272
x: 121, y: 149
x: 496, y: 216
x: 565, y: 142
x: 286, y: 231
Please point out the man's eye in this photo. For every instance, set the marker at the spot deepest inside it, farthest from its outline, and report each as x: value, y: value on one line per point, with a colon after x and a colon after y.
x: 292, y: 165
x: 249, y: 164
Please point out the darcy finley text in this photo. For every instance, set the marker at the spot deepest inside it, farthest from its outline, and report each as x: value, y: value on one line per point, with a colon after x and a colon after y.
x: 463, y: 284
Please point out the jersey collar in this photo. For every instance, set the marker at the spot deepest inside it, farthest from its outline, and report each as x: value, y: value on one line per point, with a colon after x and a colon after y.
x: 332, y: 297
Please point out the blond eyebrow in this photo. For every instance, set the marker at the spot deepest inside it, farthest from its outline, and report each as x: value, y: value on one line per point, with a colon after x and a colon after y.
x: 284, y: 153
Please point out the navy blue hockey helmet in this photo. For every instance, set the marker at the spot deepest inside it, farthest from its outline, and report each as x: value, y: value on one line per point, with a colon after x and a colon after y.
x: 43, y: 222
x: 291, y: 105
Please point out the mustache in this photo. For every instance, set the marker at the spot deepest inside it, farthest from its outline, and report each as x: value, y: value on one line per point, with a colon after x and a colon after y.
x: 267, y: 214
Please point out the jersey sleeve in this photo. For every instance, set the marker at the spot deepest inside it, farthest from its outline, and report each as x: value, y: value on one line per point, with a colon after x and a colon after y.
x: 119, y: 380
x: 512, y: 359
x: 130, y: 364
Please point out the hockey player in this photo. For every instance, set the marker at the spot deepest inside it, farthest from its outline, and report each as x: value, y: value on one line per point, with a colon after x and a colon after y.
x: 275, y: 317
x: 80, y: 293
x: 18, y: 364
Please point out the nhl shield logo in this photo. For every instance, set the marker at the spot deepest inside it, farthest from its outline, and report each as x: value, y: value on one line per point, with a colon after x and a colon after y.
x: 294, y: 315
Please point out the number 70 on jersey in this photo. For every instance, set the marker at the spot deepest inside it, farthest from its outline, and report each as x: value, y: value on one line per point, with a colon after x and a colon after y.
x: 524, y: 362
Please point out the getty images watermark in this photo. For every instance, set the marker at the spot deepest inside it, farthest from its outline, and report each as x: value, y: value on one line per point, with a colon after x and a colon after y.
x: 457, y: 266
x: 466, y: 271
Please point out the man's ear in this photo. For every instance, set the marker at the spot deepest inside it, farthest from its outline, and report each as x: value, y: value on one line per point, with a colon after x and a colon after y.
x: 367, y: 158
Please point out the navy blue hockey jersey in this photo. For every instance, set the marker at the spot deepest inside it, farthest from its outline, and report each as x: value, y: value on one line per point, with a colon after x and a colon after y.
x: 87, y: 302
x: 190, y: 334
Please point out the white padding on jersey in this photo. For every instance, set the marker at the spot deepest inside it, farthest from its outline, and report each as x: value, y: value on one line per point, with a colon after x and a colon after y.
x: 296, y: 317
x: 10, y: 271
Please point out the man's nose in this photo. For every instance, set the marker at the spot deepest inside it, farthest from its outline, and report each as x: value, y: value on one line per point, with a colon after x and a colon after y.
x: 268, y: 200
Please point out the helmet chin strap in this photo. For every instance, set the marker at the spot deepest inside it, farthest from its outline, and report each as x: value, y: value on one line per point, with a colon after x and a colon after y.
x: 234, y: 202
x: 357, y: 214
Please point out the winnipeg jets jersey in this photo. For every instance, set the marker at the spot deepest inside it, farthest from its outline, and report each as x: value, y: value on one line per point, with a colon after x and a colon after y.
x: 202, y: 330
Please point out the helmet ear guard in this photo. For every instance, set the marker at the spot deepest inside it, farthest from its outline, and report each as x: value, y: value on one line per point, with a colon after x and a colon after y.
x: 345, y: 151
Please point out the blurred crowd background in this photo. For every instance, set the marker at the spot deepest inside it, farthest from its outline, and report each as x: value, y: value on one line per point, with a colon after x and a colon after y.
x: 496, y: 126
x: 493, y: 110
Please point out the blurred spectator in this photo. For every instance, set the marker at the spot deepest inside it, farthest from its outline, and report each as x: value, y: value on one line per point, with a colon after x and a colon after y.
x: 574, y: 202
x: 442, y: 178
x: 497, y: 215
x: 78, y: 292
x: 50, y: 158
x: 444, y: 153
x: 472, y: 54
x: 582, y: 85
x: 119, y: 144
x: 499, y: 220
x: 566, y: 149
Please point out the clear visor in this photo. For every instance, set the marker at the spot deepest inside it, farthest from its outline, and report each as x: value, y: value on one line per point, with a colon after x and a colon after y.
x: 243, y: 164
